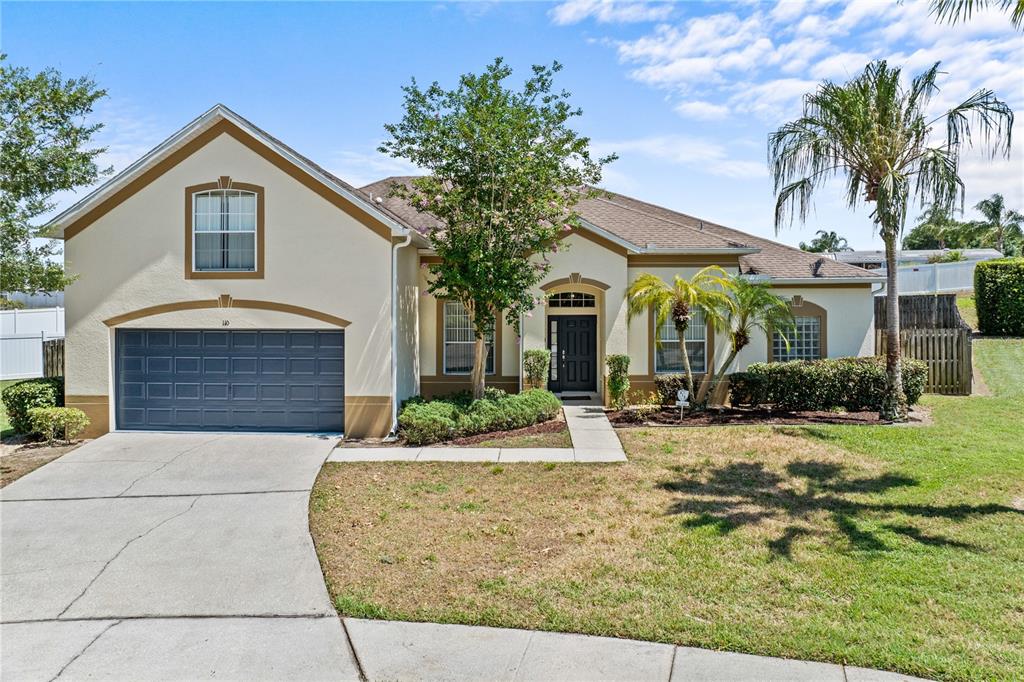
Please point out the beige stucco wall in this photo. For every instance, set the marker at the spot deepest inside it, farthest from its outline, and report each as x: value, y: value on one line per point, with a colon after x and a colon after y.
x: 408, y: 322
x: 317, y: 256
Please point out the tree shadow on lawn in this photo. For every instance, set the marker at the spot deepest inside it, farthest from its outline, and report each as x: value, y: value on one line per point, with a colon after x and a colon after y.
x: 748, y: 494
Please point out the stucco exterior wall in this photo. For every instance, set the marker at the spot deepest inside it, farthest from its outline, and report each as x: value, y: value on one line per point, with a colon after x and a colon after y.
x: 316, y: 256
x: 408, y: 323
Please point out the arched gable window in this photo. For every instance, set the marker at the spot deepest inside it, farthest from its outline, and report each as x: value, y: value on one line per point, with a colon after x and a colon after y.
x: 224, y: 236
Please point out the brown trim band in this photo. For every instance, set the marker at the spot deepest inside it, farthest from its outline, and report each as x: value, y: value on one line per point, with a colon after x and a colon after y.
x: 574, y: 279
x: 201, y: 140
x: 367, y: 416
x: 226, y: 302
x: 226, y: 182
x: 96, y: 408
x: 600, y: 241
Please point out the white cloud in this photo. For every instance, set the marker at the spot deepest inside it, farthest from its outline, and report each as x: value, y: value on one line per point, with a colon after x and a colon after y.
x: 841, y: 66
x: 363, y: 167
x: 608, y: 11
x: 683, y: 150
x: 706, y: 111
x: 774, y: 99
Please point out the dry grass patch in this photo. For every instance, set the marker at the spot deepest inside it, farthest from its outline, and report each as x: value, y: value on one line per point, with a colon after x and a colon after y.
x: 770, y: 540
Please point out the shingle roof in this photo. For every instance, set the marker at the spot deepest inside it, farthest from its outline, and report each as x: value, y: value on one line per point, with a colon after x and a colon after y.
x: 651, y: 228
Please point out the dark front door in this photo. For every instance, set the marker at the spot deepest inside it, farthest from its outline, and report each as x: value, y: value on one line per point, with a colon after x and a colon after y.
x: 573, y: 343
x: 237, y: 380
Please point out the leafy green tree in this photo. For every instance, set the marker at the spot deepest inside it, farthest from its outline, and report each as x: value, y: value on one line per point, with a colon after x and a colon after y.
x: 749, y: 306
x: 875, y: 132
x: 1002, y: 226
x: 44, y: 149
x: 705, y: 290
x: 936, y: 228
x: 505, y: 173
x: 826, y: 242
x: 952, y: 11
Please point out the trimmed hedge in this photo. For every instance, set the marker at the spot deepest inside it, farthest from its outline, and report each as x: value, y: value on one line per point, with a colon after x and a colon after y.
x: 21, y: 397
x: 999, y: 296
x: 431, y: 421
x: 855, y: 384
x: 668, y: 386
x: 618, y: 379
x: 54, y: 422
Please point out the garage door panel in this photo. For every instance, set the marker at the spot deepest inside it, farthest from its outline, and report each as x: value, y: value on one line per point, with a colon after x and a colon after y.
x: 272, y: 380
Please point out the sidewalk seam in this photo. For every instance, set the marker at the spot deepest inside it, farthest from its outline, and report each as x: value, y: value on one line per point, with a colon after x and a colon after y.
x: 352, y: 649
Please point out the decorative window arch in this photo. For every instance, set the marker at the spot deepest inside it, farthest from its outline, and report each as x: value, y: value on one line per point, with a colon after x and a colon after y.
x: 808, y: 340
x: 224, y: 230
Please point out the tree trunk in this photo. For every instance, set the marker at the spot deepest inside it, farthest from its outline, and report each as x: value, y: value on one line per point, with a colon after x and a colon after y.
x: 894, y: 403
x: 479, y: 367
x: 686, y: 364
x: 721, y: 372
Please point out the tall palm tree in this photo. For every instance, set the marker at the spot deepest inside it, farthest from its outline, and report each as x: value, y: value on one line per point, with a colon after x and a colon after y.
x: 873, y: 131
x: 1002, y: 226
x: 750, y: 306
x: 952, y: 11
x: 705, y: 290
x: 826, y: 242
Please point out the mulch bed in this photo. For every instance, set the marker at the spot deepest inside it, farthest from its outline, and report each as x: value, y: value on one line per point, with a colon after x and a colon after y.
x: 556, y: 425
x: 669, y: 416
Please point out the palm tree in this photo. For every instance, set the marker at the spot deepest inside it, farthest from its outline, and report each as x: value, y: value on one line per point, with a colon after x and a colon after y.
x: 1002, y: 227
x: 705, y: 290
x: 953, y: 11
x: 750, y: 306
x: 874, y: 132
x: 826, y: 242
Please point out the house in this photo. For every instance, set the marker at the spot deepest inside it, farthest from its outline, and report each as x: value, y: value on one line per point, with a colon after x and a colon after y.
x: 226, y: 282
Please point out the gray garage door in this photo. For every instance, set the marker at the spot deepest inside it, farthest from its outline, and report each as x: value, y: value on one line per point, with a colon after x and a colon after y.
x: 252, y: 380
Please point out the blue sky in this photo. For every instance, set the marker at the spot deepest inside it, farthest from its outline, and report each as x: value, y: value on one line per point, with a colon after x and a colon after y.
x: 685, y: 93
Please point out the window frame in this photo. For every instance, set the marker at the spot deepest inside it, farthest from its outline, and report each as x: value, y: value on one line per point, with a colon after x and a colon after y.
x: 801, y: 307
x: 655, y: 333
x: 224, y: 183
x: 443, y: 343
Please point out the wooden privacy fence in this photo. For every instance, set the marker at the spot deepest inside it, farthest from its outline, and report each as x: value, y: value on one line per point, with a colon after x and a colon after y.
x: 931, y: 330
x: 53, y: 358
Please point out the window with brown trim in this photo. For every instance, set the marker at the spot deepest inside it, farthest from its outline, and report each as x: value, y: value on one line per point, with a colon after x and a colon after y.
x: 667, y: 355
x: 224, y: 230
x: 460, y: 339
x: 806, y: 339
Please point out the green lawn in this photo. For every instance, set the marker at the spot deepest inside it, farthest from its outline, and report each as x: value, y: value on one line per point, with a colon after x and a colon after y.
x: 887, y: 547
x: 968, y: 310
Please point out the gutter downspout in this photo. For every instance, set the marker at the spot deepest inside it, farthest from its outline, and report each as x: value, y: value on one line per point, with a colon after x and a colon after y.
x: 394, y: 330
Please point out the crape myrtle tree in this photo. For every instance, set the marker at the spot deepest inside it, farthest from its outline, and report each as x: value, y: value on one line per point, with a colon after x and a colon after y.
x: 504, y: 173
x: 44, y: 149
x: 877, y: 133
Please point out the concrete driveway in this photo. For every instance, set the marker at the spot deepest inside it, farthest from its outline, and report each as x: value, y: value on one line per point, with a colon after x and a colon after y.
x: 168, y: 556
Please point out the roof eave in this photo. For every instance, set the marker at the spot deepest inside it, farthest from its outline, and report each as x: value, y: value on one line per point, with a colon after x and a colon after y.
x: 823, y: 280
x: 55, y: 226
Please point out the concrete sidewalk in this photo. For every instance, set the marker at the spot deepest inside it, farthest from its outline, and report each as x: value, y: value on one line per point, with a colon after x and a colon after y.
x: 592, y: 435
x: 387, y: 650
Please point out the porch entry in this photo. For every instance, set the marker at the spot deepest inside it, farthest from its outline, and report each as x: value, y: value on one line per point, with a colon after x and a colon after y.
x: 572, y: 340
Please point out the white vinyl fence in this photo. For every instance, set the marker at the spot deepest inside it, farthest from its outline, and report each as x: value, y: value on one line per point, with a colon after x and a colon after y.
x: 934, y: 278
x: 22, y: 333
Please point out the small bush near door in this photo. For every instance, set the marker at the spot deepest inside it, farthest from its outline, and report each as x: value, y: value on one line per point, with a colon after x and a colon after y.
x: 999, y: 295
x: 431, y: 421
x: 854, y: 384
x: 618, y: 379
x: 535, y: 367
x: 21, y: 397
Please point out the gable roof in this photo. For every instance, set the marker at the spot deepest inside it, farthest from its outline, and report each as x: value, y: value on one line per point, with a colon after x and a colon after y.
x: 216, y: 121
x: 650, y: 229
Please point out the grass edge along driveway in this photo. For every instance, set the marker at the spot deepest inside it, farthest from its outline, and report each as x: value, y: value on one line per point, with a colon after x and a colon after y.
x: 885, y: 547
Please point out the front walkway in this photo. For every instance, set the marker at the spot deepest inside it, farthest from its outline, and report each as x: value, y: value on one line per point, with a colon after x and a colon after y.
x: 592, y: 435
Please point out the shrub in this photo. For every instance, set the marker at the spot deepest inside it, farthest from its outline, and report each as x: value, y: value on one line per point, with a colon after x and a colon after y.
x: 618, y: 379
x: 21, y: 397
x: 668, y: 386
x: 53, y: 422
x: 535, y: 366
x: 855, y: 384
x: 423, y: 422
x: 999, y: 295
